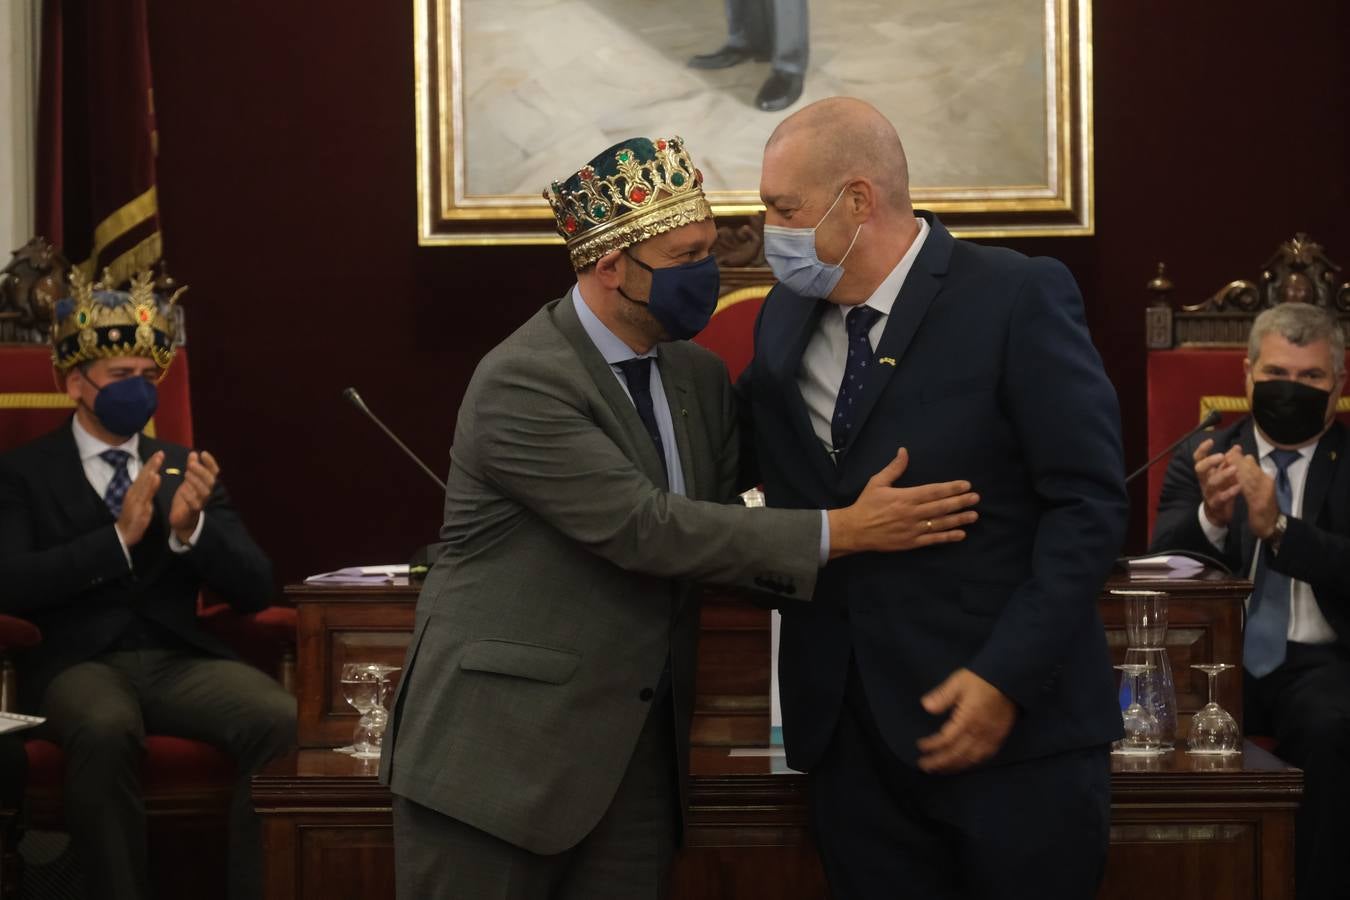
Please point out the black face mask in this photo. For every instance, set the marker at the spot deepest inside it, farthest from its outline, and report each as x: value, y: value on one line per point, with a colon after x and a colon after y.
x: 1288, y: 412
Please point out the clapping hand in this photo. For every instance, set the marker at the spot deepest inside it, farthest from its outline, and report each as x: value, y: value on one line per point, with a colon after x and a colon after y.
x: 1218, y: 477
x: 188, y: 501
x: 1258, y: 489
x: 138, y: 505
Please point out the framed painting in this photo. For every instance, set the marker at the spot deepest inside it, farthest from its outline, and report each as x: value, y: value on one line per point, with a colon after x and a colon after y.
x: 992, y: 98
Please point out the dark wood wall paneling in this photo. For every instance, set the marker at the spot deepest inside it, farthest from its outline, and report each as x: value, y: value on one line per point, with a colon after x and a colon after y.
x: 288, y: 197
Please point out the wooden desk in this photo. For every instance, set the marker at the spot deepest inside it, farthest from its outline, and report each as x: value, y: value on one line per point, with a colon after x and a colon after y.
x: 1181, y: 827
x: 731, y: 709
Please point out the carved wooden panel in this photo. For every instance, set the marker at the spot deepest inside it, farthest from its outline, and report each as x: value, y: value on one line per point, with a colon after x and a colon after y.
x: 1180, y: 828
x: 731, y: 704
x: 336, y: 626
x: 1298, y: 272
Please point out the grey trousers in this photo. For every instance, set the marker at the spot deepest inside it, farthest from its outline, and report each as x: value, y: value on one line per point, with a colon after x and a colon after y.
x: 626, y: 857
x: 779, y: 28
x: 101, y: 710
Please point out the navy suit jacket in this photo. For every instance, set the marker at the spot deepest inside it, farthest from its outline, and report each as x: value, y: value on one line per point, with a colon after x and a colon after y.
x: 995, y: 381
x: 1316, y: 546
x: 62, y: 567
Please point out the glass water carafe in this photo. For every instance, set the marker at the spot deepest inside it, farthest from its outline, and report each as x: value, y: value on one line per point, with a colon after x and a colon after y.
x: 1146, y: 634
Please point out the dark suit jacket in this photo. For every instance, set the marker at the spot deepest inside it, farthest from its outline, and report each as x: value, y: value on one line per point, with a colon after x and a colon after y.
x: 995, y: 381
x: 62, y: 567
x: 1316, y: 547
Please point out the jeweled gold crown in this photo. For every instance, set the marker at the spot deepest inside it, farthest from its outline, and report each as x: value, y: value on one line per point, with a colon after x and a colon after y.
x: 633, y: 191
x: 95, y: 322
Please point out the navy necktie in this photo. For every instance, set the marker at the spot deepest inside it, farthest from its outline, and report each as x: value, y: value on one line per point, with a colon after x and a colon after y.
x: 1267, y: 628
x: 638, y: 373
x: 121, y: 480
x: 857, y: 323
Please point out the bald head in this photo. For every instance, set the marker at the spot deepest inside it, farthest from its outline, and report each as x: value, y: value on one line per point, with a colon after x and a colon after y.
x: 840, y: 138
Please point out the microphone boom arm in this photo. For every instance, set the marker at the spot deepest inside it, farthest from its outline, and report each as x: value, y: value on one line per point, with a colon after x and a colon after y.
x: 354, y: 398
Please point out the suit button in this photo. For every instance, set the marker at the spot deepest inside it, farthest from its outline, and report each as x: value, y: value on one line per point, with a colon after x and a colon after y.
x: 645, y: 694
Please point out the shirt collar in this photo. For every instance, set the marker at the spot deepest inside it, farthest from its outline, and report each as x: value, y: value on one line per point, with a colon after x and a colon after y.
x: 90, y: 446
x: 1264, y: 447
x: 611, y: 347
x: 883, y: 298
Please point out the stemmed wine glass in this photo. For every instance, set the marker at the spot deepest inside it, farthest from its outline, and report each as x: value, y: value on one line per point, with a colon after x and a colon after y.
x: 1141, y: 726
x: 366, y: 685
x: 1213, y: 731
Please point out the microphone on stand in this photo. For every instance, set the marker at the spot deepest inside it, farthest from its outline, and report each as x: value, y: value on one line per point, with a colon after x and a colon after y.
x: 354, y: 398
x: 1209, y: 422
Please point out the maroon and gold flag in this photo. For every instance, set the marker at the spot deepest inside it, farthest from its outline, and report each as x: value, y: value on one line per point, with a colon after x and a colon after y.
x: 96, y: 136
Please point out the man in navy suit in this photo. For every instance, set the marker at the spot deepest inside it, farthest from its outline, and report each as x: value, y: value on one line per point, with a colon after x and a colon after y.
x: 953, y: 704
x: 1270, y: 496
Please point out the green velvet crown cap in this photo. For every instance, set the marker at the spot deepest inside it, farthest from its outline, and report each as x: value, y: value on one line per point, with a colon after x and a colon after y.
x: 633, y: 191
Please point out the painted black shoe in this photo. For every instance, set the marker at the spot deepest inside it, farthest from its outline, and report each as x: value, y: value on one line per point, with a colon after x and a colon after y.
x: 781, y: 91
x: 725, y: 58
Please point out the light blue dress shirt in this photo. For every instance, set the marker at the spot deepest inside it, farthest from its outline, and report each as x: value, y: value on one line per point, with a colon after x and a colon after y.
x: 615, y: 351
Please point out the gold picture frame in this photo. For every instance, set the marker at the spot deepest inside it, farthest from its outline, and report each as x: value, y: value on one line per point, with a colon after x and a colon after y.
x: 461, y: 199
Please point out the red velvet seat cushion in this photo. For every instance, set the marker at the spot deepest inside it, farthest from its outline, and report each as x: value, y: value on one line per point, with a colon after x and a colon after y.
x: 170, y: 763
x: 260, y: 639
x: 18, y: 634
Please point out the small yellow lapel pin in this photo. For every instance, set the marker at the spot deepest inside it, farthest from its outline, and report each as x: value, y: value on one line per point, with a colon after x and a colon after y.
x: 887, y: 361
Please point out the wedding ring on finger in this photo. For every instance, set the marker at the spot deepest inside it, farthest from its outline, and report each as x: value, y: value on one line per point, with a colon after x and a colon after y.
x: 927, y: 524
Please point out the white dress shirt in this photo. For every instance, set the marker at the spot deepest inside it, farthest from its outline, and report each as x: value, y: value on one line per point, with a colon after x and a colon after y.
x: 826, y: 353
x: 99, y: 473
x: 1307, y: 625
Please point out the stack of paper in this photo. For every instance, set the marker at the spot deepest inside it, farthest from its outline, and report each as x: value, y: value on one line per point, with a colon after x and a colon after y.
x: 17, y: 722
x: 1166, y: 566
x: 361, y: 575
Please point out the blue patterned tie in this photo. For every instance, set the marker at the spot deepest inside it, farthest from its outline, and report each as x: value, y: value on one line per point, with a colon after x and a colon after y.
x: 858, y: 323
x: 638, y: 373
x: 1265, y: 635
x: 121, y: 480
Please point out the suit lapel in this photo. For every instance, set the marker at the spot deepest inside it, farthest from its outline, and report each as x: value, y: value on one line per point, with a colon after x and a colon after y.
x: 71, y: 485
x: 683, y: 403
x: 639, y: 446
x: 921, y: 287
x: 784, y: 363
x: 1320, y: 469
x: 168, y: 484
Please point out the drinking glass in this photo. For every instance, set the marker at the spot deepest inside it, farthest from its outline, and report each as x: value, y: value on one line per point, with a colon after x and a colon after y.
x: 365, y: 685
x: 1145, y: 617
x: 1146, y: 644
x: 1214, y: 731
x: 1141, y: 726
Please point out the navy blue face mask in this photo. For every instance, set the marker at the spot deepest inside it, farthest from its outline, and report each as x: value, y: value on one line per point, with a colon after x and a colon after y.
x: 683, y: 298
x: 123, y: 407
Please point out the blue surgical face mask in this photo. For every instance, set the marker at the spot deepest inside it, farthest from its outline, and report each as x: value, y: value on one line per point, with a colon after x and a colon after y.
x: 791, y: 253
x: 683, y: 298
x: 123, y: 407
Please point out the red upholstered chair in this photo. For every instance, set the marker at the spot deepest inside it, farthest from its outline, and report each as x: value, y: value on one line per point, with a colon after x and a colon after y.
x: 187, y: 783
x: 731, y: 331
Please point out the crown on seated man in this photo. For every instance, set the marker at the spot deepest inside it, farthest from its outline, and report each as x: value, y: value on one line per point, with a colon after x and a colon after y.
x: 95, y: 322
x: 633, y: 191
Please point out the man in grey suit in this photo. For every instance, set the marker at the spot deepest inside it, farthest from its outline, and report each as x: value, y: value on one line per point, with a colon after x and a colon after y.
x: 539, y: 740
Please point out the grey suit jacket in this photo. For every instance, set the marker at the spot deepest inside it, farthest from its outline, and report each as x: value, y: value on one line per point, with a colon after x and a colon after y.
x: 565, y: 584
